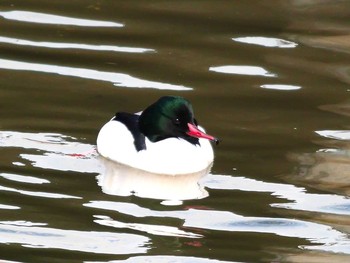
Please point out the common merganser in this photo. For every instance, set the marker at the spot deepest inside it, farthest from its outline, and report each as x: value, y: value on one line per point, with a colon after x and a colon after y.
x: 165, y: 139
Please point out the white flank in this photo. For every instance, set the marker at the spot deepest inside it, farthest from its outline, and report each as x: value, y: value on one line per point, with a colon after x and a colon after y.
x: 169, y: 156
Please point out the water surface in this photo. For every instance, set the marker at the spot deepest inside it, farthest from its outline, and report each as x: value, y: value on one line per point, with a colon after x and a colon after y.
x: 270, y: 79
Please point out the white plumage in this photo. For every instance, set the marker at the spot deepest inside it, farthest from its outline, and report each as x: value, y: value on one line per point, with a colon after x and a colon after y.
x: 169, y: 156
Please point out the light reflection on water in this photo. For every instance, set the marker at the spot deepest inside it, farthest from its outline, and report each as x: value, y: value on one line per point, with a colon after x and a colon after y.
x: 42, y: 18
x: 300, y: 200
x: 58, y: 150
x: 11, y: 207
x: 280, y: 87
x: 266, y: 41
x: 327, y: 168
x: 37, y: 193
x: 338, y: 135
x: 295, y: 51
x: 55, y: 145
x: 331, y: 239
x: 32, y: 235
x: 162, y: 259
x: 118, y: 79
x: 159, y: 230
x: 243, y: 70
x: 60, y: 45
x: 24, y: 179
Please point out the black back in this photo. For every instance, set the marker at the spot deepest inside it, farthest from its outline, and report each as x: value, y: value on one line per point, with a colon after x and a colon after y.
x: 131, y: 121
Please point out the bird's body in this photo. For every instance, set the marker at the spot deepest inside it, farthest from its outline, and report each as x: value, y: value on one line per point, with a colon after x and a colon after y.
x: 162, y: 139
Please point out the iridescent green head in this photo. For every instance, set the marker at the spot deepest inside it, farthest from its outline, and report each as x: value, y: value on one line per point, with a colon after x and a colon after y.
x: 171, y: 116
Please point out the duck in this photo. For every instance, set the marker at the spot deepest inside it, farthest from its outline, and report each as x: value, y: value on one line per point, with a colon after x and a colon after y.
x: 164, y: 138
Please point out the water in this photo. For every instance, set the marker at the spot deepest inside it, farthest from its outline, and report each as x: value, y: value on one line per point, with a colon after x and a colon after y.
x: 270, y: 79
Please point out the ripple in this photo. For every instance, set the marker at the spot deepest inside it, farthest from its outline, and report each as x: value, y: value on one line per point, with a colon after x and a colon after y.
x: 158, y: 230
x: 24, y: 42
x: 35, y: 236
x: 60, y: 162
x: 331, y: 239
x: 300, y: 200
x: 59, y: 152
x: 49, y: 142
x: 38, y: 194
x: 18, y: 164
x: 118, y: 79
x: 22, y: 223
x: 267, y: 223
x: 42, y: 18
x: 280, y: 87
x: 162, y: 259
x: 335, y: 134
x: 243, y: 70
x: 10, y: 207
x: 24, y: 179
x: 266, y: 41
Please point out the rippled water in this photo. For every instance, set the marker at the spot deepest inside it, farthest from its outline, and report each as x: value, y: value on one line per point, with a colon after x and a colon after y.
x: 270, y: 79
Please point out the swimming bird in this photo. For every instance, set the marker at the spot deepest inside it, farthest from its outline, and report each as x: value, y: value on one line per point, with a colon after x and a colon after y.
x: 164, y: 138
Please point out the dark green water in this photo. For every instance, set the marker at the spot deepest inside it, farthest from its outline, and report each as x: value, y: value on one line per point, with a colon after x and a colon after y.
x: 269, y: 78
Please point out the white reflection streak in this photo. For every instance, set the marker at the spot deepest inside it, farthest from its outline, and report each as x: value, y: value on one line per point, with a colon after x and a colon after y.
x: 331, y: 239
x: 37, y: 194
x: 24, y: 179
x: 118, y: 79
x: 93, y: 241
x: 327, y: 203
x: 158, y: 230
x: 57, y: 151
x: 335, y: 134
x: 23, y: 42
x: 42, y: 18
x: 22, y: 223
x: 10, y: 207
x: 60, y: 162
x: 266, y: 42
x: 163, y: 259
x: 48, y: 142
x: 280, y: 87
x: 243, y: 70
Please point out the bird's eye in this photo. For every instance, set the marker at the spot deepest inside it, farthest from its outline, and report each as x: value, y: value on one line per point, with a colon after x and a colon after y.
x: 177, y: 121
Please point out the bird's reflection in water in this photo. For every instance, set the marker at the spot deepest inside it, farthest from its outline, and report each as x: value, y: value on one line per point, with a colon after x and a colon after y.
x: 122, y: 180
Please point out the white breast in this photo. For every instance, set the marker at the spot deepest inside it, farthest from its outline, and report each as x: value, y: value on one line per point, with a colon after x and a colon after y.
x: 169, y: 156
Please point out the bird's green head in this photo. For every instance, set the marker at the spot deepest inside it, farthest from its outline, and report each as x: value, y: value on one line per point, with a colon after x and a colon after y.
x: 171, y: 116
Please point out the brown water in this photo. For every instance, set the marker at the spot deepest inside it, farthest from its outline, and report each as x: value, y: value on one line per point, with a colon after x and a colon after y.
x: 270, y: 78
